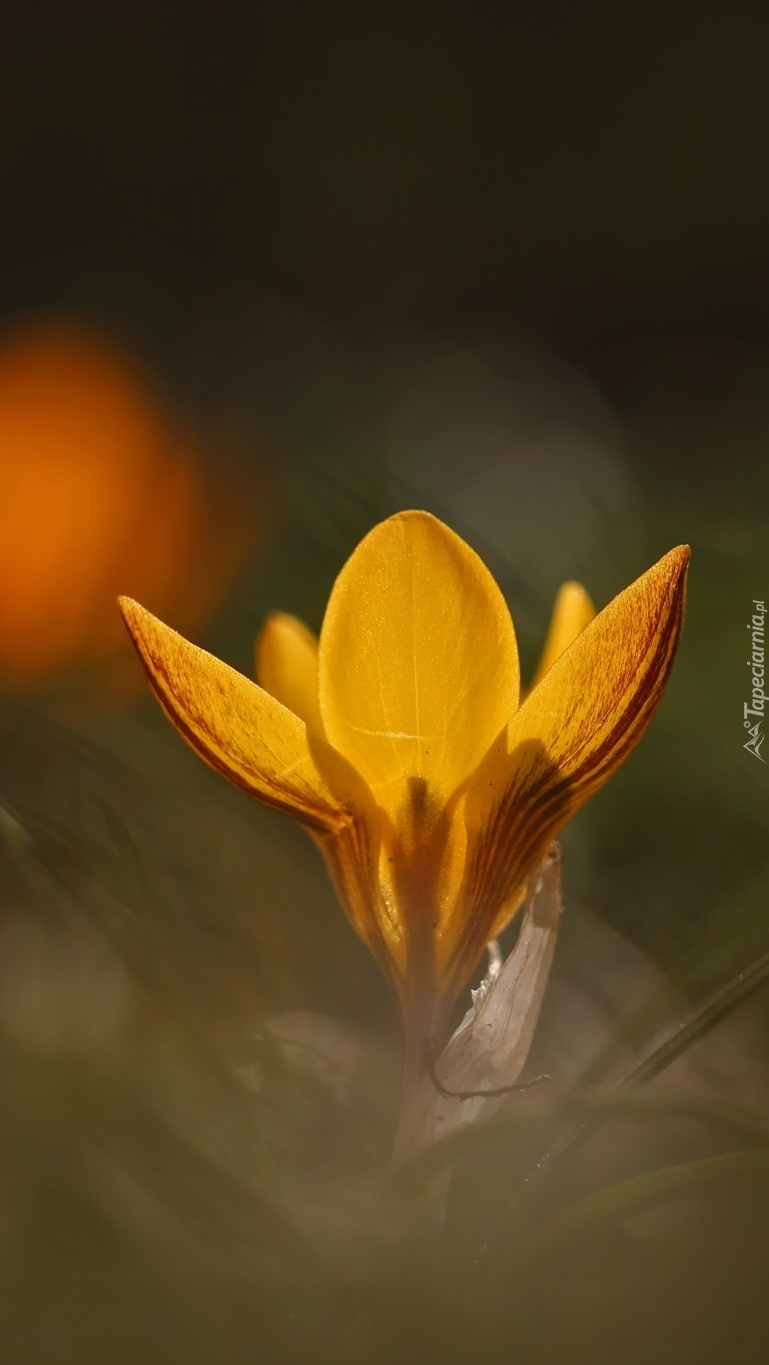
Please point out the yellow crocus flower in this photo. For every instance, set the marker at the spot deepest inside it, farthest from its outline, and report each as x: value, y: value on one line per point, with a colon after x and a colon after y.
x: 399, y: 742
x: 573, y: 611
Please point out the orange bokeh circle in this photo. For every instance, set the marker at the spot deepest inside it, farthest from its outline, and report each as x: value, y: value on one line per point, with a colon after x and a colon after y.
x: 103, y: 492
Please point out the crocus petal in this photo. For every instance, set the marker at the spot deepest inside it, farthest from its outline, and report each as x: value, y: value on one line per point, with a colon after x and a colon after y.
x: 286, y: 659
x: 572, y: 733
x: 238, y: 728
x: 418, y: 662
x: 573, y: 610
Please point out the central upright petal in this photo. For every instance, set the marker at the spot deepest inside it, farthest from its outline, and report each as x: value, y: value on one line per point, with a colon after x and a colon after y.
x: 418, y: 666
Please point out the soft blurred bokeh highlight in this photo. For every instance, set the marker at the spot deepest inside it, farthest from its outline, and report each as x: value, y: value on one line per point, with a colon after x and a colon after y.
x: 270, y: 275
x: 103, y: 492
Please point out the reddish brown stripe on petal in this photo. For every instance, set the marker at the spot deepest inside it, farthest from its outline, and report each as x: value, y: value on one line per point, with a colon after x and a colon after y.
x: 351, y: 858
x: 271, y: 792
x: 237, y: 728
x: 527, y: 817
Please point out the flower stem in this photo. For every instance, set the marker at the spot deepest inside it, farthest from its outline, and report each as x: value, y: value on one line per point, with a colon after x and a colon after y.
x: 418, y: 1032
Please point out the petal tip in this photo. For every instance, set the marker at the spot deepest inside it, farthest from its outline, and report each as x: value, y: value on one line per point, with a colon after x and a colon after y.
x: 667, y: 578
x: 131, y: 612
x: 678, y: 558
x: 672, y: 571
x: 139, y: 622
x: 416, y: 515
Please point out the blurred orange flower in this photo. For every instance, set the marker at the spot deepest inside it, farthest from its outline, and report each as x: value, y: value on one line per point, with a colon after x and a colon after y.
x: 101, y: 487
